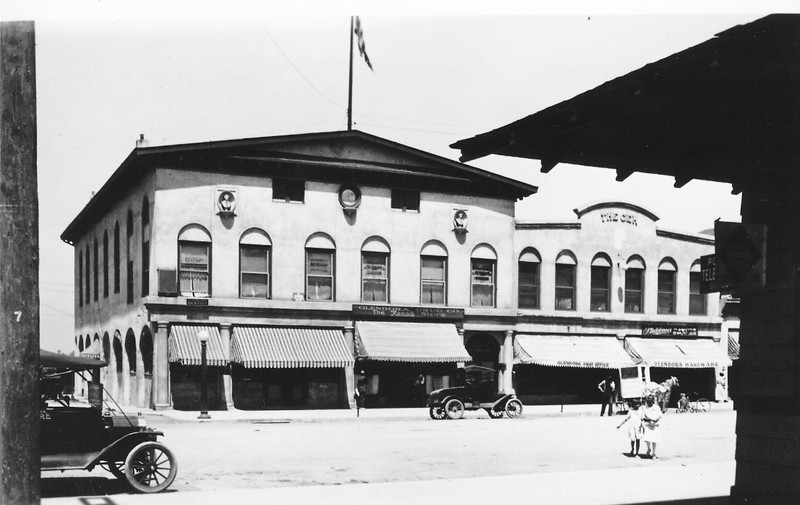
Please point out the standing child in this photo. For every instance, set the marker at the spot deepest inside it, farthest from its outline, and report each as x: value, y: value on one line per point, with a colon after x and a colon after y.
x: 635, y: 426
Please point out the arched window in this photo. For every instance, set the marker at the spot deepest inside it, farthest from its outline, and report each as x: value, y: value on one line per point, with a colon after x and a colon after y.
x: 105, y: 264
x: 601, y: 284
x: 528, y: 283
x: 130, y: 350
x: 634, y: 285
x: 146, y: 348
x: 145, y: 246
x: 320, y: 268
x: 566, y: 266
x: 483, y: 263
x: 375, y: 253
x: 116, y: 257
x: 697, y: 300
x: 666, y: 286
x: 433, y: 273
x: 194, y: 261
x: 129, y: 255
x: 254, y: 264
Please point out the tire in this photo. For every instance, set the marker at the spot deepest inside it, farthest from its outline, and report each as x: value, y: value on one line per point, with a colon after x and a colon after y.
x: 703, y: 405
x: 150, y: 467
x: 514, y: 409
x: 437, y: 413
x: 494, y: 414
x: 454, y: 408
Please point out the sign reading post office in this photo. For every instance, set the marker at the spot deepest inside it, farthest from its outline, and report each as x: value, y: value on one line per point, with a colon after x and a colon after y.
x: 739, y: 255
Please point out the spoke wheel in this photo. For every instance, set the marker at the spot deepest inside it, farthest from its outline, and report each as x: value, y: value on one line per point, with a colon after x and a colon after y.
x: 437, y: 413
x: 514, y: 409
x: 117, y: 468
x: 703, y: 405
x: 494, y: 414
x: 454, y: 408
x: 150, y: 467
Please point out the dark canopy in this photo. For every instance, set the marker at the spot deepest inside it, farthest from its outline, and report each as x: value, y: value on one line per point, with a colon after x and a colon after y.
x: 725, y: 110
x: 50, y: 359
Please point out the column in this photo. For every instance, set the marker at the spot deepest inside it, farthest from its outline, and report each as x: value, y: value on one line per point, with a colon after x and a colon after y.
x: 161, y: 393
x: 507, y: 358
x: 349, y: 375
x: 227, y: 380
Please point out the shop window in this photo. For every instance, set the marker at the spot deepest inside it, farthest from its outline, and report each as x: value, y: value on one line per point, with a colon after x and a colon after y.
x: 288, y: 190
x: 374, y: 277
x: 566, y: 266
x: 404, y: 199
x: 634, y: 286
x: 600, y: 296
x: 666, y: 287
x: 697, y: 300
x: 319, y: 275
x: 528, y: 282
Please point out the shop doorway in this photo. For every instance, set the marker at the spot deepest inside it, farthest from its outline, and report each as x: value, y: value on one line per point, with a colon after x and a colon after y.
x: 484, y: 349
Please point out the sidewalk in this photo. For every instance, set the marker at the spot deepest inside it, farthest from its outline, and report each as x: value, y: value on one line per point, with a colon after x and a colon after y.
x: 707, y: 484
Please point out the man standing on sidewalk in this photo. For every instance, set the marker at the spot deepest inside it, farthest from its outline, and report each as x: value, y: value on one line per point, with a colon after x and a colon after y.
x: 608, y: 389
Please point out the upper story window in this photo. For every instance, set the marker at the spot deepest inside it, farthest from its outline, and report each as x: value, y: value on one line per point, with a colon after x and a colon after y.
x: 254, y: 264
x: 145, y: 246
x: 566, y: 266
x: 634, y: 285
x: 405, y: 199
x: 96, y: 271
x: 194, y: 262
x: 105, y: 264
x: 288, y: 190
x: 375, y: 270
x: 88, y: 278
x: 528, y: 282
x: 600, y: 296
x: 433, y: 274
x: 80, y: 278
x: 666, y: 286
x: 483, y: 276
x: 320, y: 268
x: 129, y: 255
x: 116, y: 257
x: 697, y: 300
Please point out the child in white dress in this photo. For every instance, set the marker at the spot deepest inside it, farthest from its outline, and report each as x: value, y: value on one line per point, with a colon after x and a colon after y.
x: 635, y: 426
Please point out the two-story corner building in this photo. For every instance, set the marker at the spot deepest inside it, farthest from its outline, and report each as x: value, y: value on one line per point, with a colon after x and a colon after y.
x: 608, y: 281
x: 301, y: 259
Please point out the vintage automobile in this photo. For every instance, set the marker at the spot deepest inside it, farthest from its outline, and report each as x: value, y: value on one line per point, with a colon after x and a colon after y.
x: 83, y: 437
x: 475, y: 389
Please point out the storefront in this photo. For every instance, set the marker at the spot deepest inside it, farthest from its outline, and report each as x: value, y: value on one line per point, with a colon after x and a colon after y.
x: 185, y: 360
x: 565, y: 368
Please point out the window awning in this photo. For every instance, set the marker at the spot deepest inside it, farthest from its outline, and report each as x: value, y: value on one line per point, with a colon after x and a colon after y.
x: 571, y: 351
x: 93, y: 351
x: 677, y: 353
x: 184, y: 345
x: 286, y: 347
x: 410, y: 342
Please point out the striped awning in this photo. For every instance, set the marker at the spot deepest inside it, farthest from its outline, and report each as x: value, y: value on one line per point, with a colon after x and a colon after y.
x: 410, y: 342
x: 93, y: 351
x: 571, y: 351
x: 184, y: 345
x: 678, y: 353
x: 286, y: 347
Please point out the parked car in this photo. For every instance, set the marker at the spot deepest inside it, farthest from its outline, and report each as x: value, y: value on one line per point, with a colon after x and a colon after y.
x: 86, y: 436
x: 475, y: 389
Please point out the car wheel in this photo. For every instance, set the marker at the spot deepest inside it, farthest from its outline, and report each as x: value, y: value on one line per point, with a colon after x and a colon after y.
x: 494, y: 414
x: 437, y: 413
x: 454, y: 408
x: 150, y: 467
x: 514, y: 409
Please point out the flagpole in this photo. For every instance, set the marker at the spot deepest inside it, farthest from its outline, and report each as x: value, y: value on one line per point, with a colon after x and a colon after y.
x: 350, y: 82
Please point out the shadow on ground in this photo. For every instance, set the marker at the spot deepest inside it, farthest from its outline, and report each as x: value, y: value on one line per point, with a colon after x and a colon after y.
x: 82, y: 486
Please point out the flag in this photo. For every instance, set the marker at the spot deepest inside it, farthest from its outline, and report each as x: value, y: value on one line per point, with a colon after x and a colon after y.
x: 362, y: 47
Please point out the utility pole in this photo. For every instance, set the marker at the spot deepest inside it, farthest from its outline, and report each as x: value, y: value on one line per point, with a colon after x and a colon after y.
x: 20, y: 467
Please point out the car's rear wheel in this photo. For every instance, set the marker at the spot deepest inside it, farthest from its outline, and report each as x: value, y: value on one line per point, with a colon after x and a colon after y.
x: 150, y: 467
x: 454, y: 408
x: 437, y: 413
x: 494, y: 414
x: 514, y: 409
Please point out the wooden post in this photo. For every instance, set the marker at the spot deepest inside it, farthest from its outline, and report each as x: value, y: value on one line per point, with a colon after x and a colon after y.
x: 19, y: 268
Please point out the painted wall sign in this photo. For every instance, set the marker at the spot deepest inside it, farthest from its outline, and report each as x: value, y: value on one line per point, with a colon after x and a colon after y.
x: 669, y: 330
x: 388, y: 311
x: 618, y: 217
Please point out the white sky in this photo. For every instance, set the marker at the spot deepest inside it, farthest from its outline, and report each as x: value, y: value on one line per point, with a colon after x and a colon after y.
x: 189, y: 71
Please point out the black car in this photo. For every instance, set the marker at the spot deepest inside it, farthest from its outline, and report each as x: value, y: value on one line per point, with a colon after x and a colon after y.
x: 75, y: 437
x: 475, y: 389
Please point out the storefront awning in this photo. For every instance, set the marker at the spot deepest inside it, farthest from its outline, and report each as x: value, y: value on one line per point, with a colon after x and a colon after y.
x: 571, y: 351
x: 410, y: 342
x: 285, y: 347
x: 93, y: 351
x: 184, y: 345
x: 677, y: 353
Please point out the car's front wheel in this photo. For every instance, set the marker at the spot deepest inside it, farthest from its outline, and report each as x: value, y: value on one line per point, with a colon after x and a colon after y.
x: 514, y: 409
x: 437, y: 413
x: 150, y: 467
x: 454, y: 408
